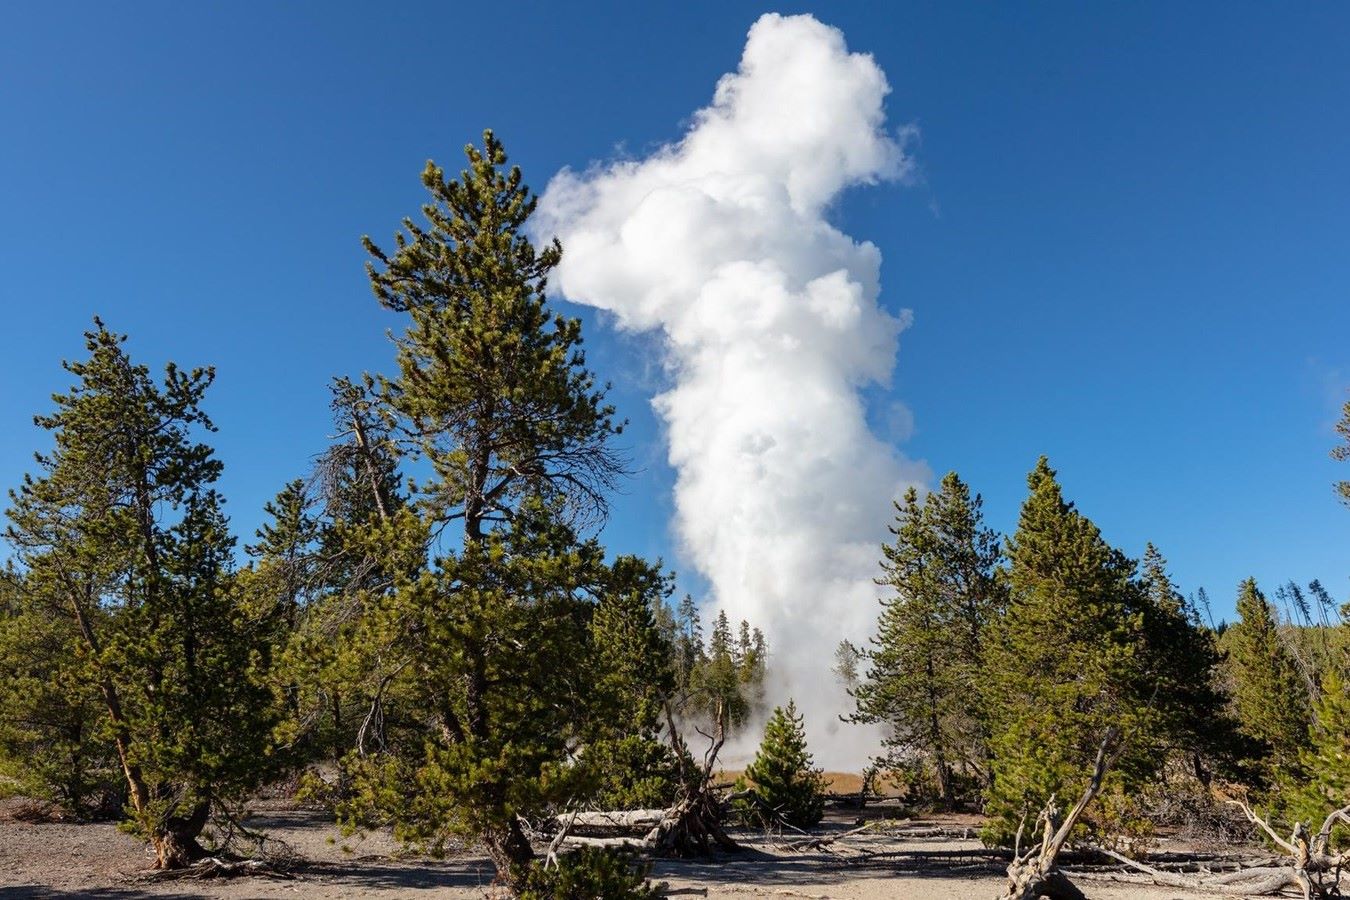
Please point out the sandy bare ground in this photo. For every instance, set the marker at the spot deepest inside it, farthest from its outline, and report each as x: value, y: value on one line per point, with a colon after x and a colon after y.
x: 97, y: 861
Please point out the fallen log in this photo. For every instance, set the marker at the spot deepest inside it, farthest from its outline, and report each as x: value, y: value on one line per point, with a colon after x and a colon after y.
x: 1312, y: 867
x: 610, y: 823
x: 218, y: 867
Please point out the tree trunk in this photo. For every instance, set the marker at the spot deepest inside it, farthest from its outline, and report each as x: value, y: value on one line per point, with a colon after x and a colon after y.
x: 176, y: 844
x: 510, y: 852
x: 944, y: 775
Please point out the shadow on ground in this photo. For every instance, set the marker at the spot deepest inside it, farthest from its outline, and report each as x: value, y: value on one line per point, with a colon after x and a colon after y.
x: 883, y: 859
x: 41, y: 892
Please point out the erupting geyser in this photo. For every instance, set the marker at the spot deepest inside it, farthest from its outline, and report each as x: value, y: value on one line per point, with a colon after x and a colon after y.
x: 772, y: 328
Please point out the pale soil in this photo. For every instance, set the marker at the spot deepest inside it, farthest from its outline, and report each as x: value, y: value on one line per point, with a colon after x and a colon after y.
x: 97, y: 861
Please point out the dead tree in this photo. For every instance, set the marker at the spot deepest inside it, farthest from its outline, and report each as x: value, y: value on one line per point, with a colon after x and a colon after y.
x: 1036, y: 873
x: 694, y: 824
x: 1313, y: 868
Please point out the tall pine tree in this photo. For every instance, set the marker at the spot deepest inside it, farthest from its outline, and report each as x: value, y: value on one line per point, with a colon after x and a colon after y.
x: 52, y: 743
x: 1066, y: 662
x: 1321, y: 781
x: 635, y: 768
x: 1181, y: 664
x: 1342, y: 452
x: 486, y: 639
x: 122, y: 538
x: 927, y: 656
x: 1270, y: 700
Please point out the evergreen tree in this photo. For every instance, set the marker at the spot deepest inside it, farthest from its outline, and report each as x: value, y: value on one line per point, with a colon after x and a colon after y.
x: 286, y: 558
x: 1269, y: 698
x: 486, y: 641
x: 492, y: 388
x: 51, y: 741
x: 1342, y: 452
x: 687, y: 637
x: 634, y: 680
x: 319, y: 535
x: 847, y: 664
x: 1200, y: 601
x: 925, y: 666
x: 1321, y: 782
x: 121, y: 537
x: 727, y: 684
x: 782, y: 778
x: 1067, y: 661
x: 1180, y: 664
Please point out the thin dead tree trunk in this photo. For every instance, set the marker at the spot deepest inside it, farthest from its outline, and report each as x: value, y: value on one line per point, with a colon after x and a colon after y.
x: 1313, y: 868
x: 1036, y: 872
x: 693, y: 826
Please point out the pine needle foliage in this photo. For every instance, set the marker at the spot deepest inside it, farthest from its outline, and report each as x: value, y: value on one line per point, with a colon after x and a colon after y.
x: 476, y: 651
x: 1067, y: 661
x: 626, y: 751
x: 52, y: 743
x: 1181, y: 663
x: 926, y: 661
x: 1270, y: 700
x: 493, y: 388
x: 1321, y: 781
x: 786, y: 786
x: 125, y: 549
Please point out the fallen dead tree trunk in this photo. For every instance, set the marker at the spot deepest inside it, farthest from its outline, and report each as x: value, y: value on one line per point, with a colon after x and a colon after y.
x: 606, y: 822
x: 218, y: 867
x: 692, y: 826
x: 1312, y: 867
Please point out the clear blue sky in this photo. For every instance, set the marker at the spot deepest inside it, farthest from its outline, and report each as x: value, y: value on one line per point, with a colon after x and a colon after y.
x: 1128, y: 250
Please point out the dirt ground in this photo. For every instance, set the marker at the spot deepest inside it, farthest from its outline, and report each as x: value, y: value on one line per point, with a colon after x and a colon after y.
x: 55, y: 860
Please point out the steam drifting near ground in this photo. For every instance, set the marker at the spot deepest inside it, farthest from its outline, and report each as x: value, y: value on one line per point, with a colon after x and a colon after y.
x: 771, y: 327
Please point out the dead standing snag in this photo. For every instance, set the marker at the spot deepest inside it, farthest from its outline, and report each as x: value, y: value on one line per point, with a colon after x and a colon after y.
x: 1036, y: 873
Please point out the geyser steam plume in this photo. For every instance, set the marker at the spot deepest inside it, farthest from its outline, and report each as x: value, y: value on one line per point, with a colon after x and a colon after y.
x: 772, y: 328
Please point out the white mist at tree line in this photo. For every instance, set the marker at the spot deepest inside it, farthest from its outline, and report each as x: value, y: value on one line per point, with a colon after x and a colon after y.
x: 771, y: 328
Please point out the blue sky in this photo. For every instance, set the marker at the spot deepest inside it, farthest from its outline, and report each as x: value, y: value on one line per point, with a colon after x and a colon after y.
x: 1126, y: 250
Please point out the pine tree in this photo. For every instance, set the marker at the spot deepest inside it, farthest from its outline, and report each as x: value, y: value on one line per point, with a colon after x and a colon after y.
x: 477, y: 653
x: 687, y: 637
x: 318, y: 542
x: 1321, y: 781
x: 281, y: 585
x: 1067, y: 661
x: 492, y: 387
x: 847, y: 664
x: 1342, y: 452
x: 51, y: 741
x: 925, y: 666
x: 1270, y: 700
x: 785, y: 784
x: 286, y: 556
x: 725, y: 685
x: 122, y: 538
x: 1181, y: 663
x: 634, y: 679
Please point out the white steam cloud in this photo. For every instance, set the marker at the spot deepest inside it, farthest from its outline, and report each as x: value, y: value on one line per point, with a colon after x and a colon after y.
x: 772, y: 328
